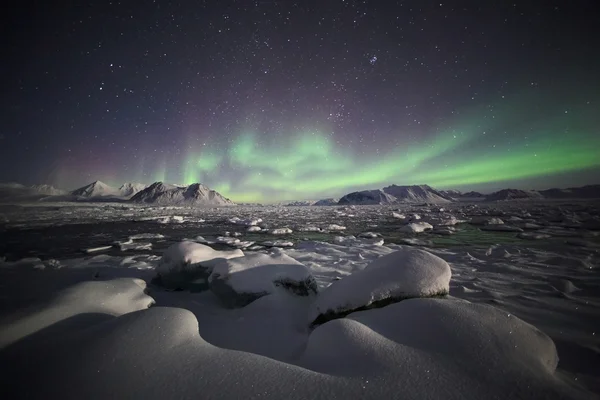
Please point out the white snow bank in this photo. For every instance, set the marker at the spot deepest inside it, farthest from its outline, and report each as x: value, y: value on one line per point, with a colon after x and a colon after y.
x: 115, y: 297
x: 239, y: 281
x: 402, y: 274
x: 183, y: 256
x: 425, y: 348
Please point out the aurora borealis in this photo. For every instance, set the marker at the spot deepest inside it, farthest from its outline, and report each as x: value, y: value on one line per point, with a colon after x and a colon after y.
x: 273, y: 100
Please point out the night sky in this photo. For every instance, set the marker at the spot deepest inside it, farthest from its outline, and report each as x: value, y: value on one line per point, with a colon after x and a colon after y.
x: 278, y: 100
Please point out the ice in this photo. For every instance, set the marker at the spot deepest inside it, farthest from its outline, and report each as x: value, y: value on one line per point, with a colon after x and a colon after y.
x: 309, y: 228
x: 416, y: 227
x: 246, y: 222
x: 278, y: 243
x: 398, y: 216
x: 417, y: 347
x: 187, y: 265
x: 403, y: 274
x: 97, y: 249
x: 239, y: 281
x: 280, y: 231
x: 370, y: 235
x: 147, y: 236
x: 334, y: 227
x: 253, y: 228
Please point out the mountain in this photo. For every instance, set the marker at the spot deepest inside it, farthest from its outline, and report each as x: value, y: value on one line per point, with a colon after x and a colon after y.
x: 584, y: 192
x: 299, y: 203
x: 513, y: 194
x: 417, y: 194
x: 395, y: 194
x: 453, y: 194
x: 365, y: 197
x: 96, y: 189
x: 327, y: 202
x: 472, y: 195
x: 26, y: 193
x: 47, y: 190
x: 194, y: 194
x: 129, y: 189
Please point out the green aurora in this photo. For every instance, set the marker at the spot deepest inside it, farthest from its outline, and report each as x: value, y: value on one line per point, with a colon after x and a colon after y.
x: 309, y: 164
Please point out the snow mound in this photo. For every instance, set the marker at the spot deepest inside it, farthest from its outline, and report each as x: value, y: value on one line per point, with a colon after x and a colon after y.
x: 422, y: 343
x: 114, y: 297
x: 240, y: 281
x: 416, y: 227
x: 187, y: 265
x: 403, y: 274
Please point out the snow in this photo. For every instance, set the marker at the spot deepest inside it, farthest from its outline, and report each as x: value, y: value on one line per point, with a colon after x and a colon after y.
x: 96, y: 189
x: 416, y: 227
x: 253, y: 228
x: 247, y: 222
x: 280, y: 231
x: 405, y: 273
x: 239, y: 281
x: 334, y: 227
x: 195, y: 194
x: 188, y: 343
x: 114, y: 297
x: 187, y: 255
x: 278, y: 243
x: 309, y: 228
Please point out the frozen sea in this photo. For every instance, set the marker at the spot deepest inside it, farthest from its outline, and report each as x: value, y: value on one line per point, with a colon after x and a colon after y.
x: 538, y: 261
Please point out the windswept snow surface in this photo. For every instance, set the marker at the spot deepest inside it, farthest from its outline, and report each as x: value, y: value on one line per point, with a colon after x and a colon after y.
x: 520, y: 321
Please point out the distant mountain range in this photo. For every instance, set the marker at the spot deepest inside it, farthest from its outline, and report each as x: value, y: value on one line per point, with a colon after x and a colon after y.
x: 397, y: 194
x: 196, y: 194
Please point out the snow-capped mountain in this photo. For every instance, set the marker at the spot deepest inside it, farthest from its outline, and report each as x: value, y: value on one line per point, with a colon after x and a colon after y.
x: 472, y: 195
x: 368, y: 197
x: 299, y: 203
x: 47, y: 190
x: 327, y: 202
x: 129, y: 189
x: 22, y: 192
x: 194, y: 194
x: 416, y: 194
x: 396, y: 194
x: 451, y: 193
x: 96, y: 189
x: 513, y: 194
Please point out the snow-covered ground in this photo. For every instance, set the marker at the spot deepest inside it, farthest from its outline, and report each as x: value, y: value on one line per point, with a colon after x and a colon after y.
x: 520, y: 320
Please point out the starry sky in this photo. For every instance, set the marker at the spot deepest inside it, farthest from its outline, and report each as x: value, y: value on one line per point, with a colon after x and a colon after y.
x: 280, y: 100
